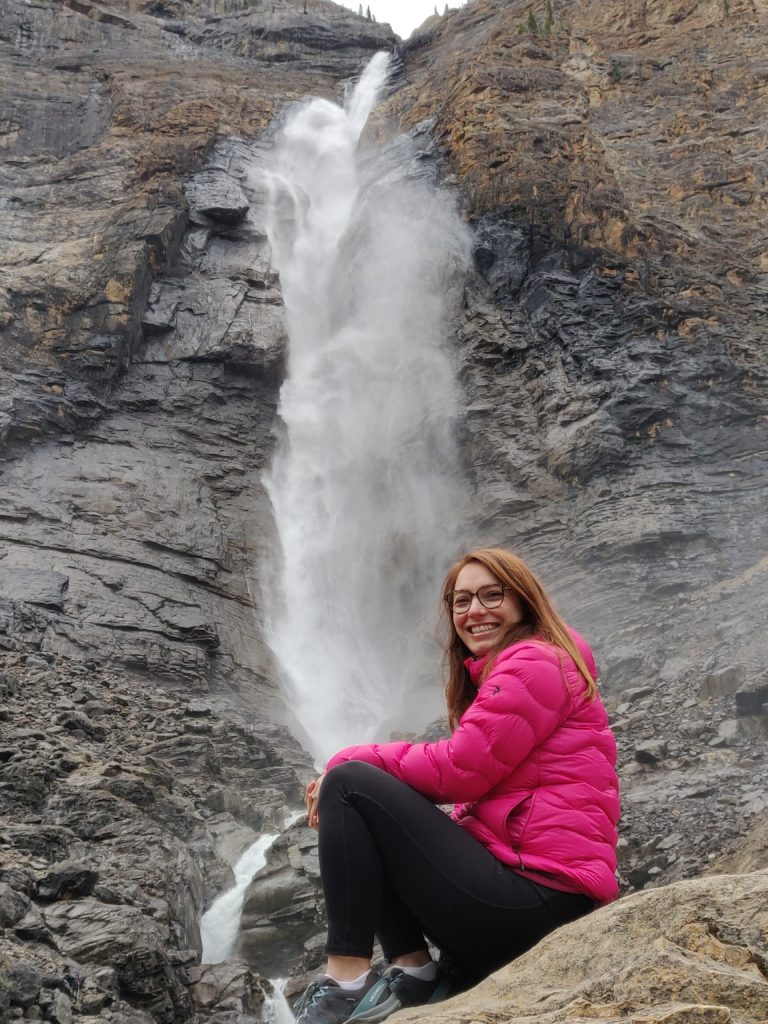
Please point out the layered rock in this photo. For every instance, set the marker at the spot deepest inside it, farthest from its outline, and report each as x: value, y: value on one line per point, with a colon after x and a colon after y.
x: 133, y: 532
x: 122, y: 810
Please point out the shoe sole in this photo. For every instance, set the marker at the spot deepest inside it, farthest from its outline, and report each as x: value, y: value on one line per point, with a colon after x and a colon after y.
x: 376, y: 1013
x: 379, y: 1012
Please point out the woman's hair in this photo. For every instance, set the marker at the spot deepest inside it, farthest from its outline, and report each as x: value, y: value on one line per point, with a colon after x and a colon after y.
x: 539, y: 619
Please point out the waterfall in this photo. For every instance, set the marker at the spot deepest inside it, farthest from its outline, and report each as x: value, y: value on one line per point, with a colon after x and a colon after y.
x: 365, y: 486
x: 219, y: 924
x: 277, y: 1009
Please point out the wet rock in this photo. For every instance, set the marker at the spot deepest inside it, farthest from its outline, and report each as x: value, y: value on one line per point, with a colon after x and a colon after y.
x: 22, y: 983
x: 67, y: 880
x: 651, y: 752
x: 752, y: 697
x: 229, y: 987
x: 216, y: 197
x: 13, y: 905
x: 283, y: 911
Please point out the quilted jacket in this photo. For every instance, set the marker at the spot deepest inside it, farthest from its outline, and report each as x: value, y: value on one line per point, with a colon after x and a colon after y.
x: 530, y: 767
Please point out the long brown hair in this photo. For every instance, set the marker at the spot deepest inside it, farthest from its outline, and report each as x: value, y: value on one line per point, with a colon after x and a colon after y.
x: 539, y: 619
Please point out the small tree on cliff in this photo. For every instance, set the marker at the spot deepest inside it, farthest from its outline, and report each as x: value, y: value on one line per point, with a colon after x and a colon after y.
x: 549, y: 21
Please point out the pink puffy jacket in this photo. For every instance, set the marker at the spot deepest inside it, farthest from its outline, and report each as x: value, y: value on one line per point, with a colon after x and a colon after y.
x: 531, y: 768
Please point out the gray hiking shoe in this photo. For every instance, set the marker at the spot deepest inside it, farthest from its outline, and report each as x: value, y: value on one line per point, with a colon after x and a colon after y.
x: 324, y: 1001
x: 396, y: 989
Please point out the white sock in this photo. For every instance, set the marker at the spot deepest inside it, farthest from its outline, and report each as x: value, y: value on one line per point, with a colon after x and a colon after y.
x: 355, y: 983
x: 426, y: 973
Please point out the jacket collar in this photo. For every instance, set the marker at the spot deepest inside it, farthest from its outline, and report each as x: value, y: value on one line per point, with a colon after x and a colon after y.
x: 475, y: 666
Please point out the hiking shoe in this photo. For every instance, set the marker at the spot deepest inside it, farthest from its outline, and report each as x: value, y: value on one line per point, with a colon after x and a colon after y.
x: 324, y: 1001
x: 396, y: 989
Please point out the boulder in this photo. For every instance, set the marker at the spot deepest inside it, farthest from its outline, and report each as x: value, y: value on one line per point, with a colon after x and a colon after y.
x: 752, y: 697
x: 283, y: 912
x: 22, y: 983
x: 216, y: 196
x: 67, y: 880
x: 693, y: 952
x: 13, y: 905
x: 226, y: 987
x: 90, y: 931
x: 651, y: 752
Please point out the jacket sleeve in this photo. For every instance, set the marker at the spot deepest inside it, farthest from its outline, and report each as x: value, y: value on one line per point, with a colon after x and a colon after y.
x: 523, y: 700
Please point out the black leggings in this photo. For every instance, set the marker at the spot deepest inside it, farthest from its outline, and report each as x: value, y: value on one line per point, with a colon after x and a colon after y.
x: 394, y: 865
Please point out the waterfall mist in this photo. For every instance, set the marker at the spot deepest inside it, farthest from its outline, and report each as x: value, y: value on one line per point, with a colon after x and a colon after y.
x: 365, y: 484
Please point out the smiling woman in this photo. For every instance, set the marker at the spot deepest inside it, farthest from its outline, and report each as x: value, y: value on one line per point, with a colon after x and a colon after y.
x: 531, y: 841
x: 482, y: 615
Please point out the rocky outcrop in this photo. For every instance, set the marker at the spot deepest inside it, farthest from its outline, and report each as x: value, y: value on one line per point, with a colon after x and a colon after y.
x: 695, y: 951
x: 122, y: 809
x: 282, y: 927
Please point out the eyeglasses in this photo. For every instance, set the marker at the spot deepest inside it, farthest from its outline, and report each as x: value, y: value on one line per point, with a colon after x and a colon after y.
x: 489, y: 596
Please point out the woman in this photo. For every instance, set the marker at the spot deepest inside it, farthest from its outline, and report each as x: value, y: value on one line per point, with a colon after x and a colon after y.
x: 531, y: 841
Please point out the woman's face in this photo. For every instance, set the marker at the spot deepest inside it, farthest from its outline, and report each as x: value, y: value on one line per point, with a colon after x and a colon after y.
x: 481, y: 628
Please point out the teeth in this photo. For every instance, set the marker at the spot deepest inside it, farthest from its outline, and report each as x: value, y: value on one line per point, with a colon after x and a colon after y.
x: 484, y: 629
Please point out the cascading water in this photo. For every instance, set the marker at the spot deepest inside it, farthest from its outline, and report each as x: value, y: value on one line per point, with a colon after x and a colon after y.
x: 365, y: 485
x: 219, y: 925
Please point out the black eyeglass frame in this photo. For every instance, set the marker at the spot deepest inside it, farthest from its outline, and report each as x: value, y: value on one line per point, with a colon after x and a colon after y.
x: 450, y: 598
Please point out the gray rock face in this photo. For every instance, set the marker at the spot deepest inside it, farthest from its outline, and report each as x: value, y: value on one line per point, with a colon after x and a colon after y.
x: 228, y: 988
x: 114, y: 839
x: 158, y: 526
x: 136, y: 541
x: 282, y: 922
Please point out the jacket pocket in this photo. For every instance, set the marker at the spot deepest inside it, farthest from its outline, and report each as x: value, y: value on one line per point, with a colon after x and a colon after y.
x: 517, y: 820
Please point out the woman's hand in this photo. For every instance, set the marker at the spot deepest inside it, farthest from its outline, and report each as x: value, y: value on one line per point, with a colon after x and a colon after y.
x: 311, y: 793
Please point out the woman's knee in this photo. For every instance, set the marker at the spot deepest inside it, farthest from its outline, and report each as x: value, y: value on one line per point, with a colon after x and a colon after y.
x: 348, y: 777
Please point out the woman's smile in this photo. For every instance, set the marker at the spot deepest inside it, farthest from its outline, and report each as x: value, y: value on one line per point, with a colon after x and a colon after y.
x: 479, y: 627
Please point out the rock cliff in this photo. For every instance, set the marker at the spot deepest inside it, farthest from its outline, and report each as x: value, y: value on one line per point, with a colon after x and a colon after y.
x: 132, y: 511
x: 611, y: 161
